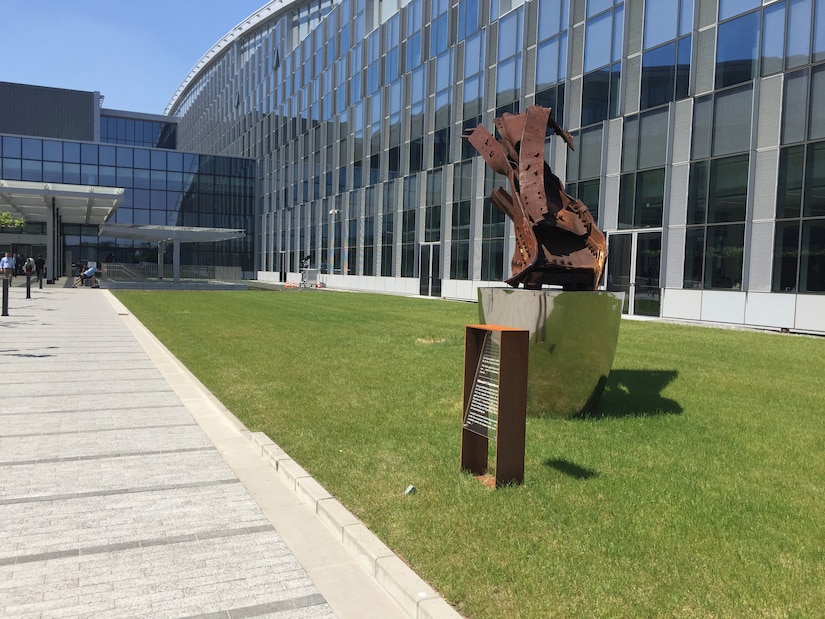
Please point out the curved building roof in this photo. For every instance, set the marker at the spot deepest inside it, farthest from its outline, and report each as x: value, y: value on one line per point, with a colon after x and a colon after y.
x: 268, y: 11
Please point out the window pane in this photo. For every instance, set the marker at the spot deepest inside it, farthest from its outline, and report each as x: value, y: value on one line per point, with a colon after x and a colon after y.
x: 737, y: 50
x: 702, y: 114
x: 698, y: 193
x: 588, y: 192
x: 618, y: 32
x: 653, y: 139
x: 694, y: 257
x: 798, y: 51
x: 785, y: 256
x: 658, y: 76
x: 732, y: 121
x: 509, y: 35
x: 549, y: 19
x: 590, y: 153
x: 819, y: 31
x: 773, y: 38
x: 728, y: 191
x: 650, y: 192
x: 627, y: 195
x: 595, y: 96
x: 594, y: 7
x: 683, y: 68
x: 729, y: 8
x: 660, y: 22
x: 723, y: 256
x: 630, y: 143
x: 597, y: 46
x: 547, y: 70
x: 793, y: 111
x: 686, y: 19
x: 789, y: 191
x: 816, y: 125
x: 812, y: 264
x: 815, y: 181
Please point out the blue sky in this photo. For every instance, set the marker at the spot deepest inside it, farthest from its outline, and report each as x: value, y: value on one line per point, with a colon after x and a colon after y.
x: 134, y: 52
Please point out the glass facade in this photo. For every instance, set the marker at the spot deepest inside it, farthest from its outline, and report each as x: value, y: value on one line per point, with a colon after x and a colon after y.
x: 162, y: 187
x: 699, y: 134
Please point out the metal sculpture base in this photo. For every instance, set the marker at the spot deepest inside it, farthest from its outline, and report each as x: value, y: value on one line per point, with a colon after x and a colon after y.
x: 573, y: 337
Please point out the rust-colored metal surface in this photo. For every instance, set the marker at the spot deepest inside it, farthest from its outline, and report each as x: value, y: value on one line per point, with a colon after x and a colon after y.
x: 557, y: 240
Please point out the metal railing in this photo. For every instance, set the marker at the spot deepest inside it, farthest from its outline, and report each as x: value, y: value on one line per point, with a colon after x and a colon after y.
x: 147, y: 271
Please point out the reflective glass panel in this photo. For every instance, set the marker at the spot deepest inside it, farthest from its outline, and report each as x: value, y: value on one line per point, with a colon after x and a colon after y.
x: 785, y: 256
x: 647, y: 294
x: 650, y: 198
x: 728, y: 189
x: 658, y: 76
x: 627, y: 196
x: 597, y: 46
x: 594, y: 7
x: 661, y: 19
x: 618, y: 265
x: 32, y: 148
x: 694, y: 257
x: 732, y: 121
x: 723, y: 256
x: 549, y: 18
x: 793, y: 110
x: 547, y: 65
x: 653, y: 138
x: 819, y: 31
x: 730, y: 8
x: 815, y: 181
x: 798, y: 51
x: 816, y: 108
x: 509, y: 35
x: 789, y: 191
x: 595, y: 96
x: 686, y: 18
x: 812, y: 265
x: 773, y: 38
x: 737, y: 50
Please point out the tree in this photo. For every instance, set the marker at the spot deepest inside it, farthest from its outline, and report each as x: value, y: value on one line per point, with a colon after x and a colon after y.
x: 9, y: 221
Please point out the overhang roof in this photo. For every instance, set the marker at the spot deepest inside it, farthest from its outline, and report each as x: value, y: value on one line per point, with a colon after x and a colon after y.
x: 77, y: 204
x: 167, y: 234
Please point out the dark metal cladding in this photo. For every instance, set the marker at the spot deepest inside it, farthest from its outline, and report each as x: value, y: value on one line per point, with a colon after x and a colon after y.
x: 557, y: 240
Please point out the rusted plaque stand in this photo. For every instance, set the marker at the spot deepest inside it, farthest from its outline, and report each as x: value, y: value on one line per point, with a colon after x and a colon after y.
x: 495, y: 402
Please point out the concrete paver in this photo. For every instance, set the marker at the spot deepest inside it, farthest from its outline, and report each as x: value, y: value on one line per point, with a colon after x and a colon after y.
x: 126, y: 489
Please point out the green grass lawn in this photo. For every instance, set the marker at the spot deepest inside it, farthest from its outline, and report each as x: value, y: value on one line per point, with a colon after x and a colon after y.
x: 698, y: 490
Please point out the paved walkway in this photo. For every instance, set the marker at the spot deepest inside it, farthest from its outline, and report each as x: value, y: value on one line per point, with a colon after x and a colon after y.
x: 126, y: 489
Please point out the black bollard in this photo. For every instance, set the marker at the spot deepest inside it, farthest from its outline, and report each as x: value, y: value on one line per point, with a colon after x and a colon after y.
x: 40, y: 282
x: 28, y: 285
x: 5, y: 296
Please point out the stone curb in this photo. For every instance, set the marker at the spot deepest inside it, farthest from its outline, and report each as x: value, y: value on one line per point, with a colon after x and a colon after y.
x: 410, y: 591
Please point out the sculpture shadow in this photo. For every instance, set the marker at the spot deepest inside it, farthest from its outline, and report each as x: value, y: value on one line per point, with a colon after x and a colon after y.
x: 570, y: 469
x: 634, y: 393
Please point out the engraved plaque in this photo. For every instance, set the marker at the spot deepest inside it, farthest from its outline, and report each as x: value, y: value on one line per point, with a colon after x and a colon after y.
x: 481, y: 414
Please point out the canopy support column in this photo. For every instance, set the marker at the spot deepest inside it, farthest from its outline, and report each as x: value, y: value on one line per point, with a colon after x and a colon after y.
x: 176, y: 260
x: 161, y: 246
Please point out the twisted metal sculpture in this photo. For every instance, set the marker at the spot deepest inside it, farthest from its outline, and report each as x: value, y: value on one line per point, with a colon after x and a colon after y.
x: 557, y: 240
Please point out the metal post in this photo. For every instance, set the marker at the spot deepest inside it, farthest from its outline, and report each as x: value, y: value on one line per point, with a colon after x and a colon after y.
x: 5, y: 296
x: 28, y: 285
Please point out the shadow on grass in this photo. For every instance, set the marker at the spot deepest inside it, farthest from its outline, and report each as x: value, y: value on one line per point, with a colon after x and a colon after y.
x: 635, y: 393
x: 570, y: 469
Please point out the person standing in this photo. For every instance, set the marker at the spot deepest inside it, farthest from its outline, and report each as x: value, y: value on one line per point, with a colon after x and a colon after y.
x: 7, y: 265
x: 39, y: 265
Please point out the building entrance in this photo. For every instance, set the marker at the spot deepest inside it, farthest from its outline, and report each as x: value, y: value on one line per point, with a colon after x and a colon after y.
x: 429, y: 269
x: 633, y: 266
